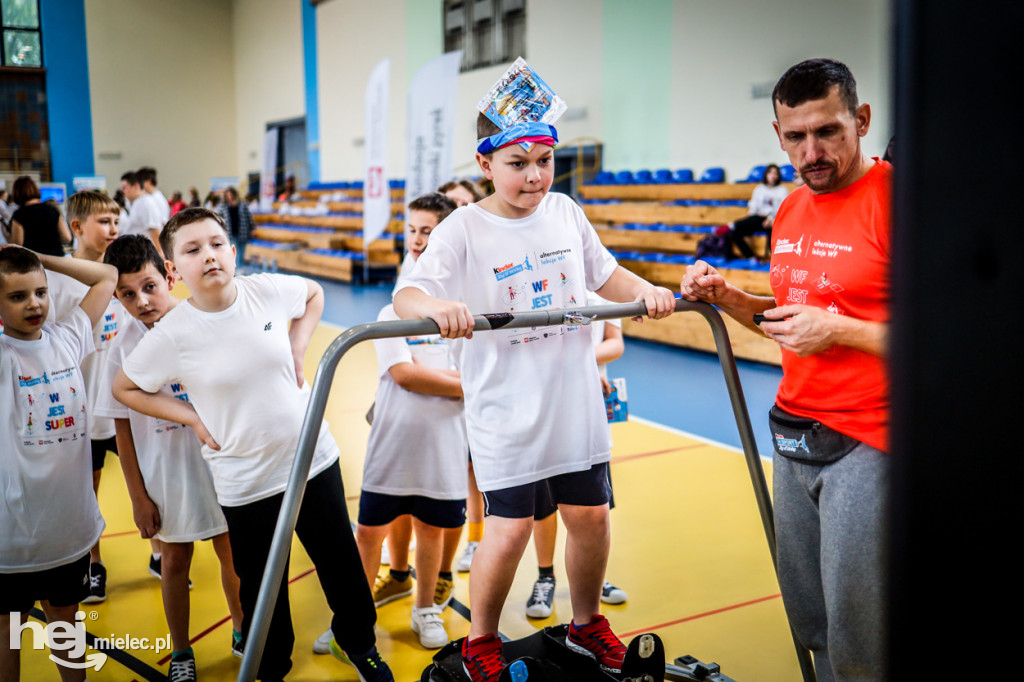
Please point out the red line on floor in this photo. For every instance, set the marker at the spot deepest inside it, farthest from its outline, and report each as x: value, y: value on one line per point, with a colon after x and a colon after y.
x: 714, y: 612
x: 119, y: 534
x: 227, y: 619
x: 640, y: 455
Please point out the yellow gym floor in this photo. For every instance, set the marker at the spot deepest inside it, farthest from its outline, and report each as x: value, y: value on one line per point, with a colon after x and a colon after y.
x: 687, y: 546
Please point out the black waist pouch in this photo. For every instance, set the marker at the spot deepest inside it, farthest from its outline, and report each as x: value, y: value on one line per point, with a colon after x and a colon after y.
x: 807, y: 440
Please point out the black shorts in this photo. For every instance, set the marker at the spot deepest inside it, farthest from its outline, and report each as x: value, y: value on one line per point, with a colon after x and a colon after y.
x: 544, y: 505
x: 589, y: 488
x: 62, y: 585
x: 100, y: 448
x: 378, y: 509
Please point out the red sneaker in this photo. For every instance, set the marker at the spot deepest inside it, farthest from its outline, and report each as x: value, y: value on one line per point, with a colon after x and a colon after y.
x: 597, y: 641
x: 482, y: 658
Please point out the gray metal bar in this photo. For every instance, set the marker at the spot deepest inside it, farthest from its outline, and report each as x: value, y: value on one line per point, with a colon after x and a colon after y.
x: 274, y: 573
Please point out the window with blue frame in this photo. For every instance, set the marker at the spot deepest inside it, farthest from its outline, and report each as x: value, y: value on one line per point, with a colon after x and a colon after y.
x: 22, y: 43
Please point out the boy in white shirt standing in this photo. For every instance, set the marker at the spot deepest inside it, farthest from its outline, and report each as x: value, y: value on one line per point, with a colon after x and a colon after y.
x: 239, y: 345
x: 49, y: 518
x: 533, y: 398
x: 172, y: 492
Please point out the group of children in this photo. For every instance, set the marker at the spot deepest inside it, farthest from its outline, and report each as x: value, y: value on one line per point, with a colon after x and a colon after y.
x: 172, y: 365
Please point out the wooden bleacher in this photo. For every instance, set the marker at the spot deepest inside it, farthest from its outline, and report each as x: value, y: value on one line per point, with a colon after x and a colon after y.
x: 653, y: 230
x: 324, y: 238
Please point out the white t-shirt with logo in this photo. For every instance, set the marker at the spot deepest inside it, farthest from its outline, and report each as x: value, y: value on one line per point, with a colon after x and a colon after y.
x: 417, y: 443
x: 533, y: 398
x: 237, y: 365
x: 177, y: 478
x: 48, y: 510
x: 66, y: 294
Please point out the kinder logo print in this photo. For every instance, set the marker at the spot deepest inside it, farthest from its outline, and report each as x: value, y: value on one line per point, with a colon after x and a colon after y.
x: 510, y: 269
x: 786, y: 246
x: 783, y: 444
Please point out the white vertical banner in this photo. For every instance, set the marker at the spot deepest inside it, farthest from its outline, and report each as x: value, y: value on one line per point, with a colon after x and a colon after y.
x: 376, y: 193
x: 432, y: 102
x: 268, y: 172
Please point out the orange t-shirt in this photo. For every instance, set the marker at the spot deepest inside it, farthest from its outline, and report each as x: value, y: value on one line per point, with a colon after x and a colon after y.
x: 832, y: 251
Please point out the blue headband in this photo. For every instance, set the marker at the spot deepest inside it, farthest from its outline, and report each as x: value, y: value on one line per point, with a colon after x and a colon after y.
x: 515, y: 132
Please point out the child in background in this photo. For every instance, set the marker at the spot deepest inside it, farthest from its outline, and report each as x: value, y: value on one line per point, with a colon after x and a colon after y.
x: 608, y: 346
x: 172, y: 493
x: 533, y: 404
x: 247, y: 410
x: 94, y: 219
x: 49, y: 518
x: 418, y: 393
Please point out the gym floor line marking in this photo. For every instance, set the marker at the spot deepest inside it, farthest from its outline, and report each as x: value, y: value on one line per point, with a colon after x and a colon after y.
x: 227, y: 619
x: 118, y: 534
x: 136, y: 665
x: 640, y: 455
x: 713, y: 612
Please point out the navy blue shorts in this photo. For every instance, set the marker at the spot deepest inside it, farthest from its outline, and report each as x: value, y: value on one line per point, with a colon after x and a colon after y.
x: 589, y: 488
x: 378, y: 509
x: 62, y: 585
x: 100, y: 448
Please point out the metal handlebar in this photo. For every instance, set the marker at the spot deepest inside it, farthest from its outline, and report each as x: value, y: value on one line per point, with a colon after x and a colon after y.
x: 279, y: 548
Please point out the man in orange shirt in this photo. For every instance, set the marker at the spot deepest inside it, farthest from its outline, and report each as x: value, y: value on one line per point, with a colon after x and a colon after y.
x: 829, y: 314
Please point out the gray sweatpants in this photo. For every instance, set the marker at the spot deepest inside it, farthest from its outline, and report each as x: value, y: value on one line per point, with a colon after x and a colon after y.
x: 830, y: 530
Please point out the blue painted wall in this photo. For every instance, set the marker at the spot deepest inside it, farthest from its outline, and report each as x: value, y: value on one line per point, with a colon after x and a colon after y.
x: 66, y: 59
x: 310, y: 77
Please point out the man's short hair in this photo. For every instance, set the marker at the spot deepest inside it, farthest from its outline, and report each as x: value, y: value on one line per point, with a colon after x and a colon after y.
x: 129, y: 253
x: 485, y: 127
x: 89, y: 202
x: 24, y: 190
x: 468, y: 185
x: 18, y: 261
x: 147, y: 174
x: 132, y: 178
x: 813, y: 79
x: 187, y: 216
x: 436, y: 203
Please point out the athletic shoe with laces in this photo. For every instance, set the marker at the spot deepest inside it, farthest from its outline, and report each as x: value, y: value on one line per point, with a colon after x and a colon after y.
x: 443, y: 592
x: 183, y: 669
x: 541, y: 602
x: 597, y: 641
x: 613, y: 595
x: 237, y: 645
x: 427, y: 623
x: 482, y: 659
x: 156, y: 568
x: 466, y: 560
x: 97, y: 584
x: 388, y: 589
x: 322, y: 645
x: 371, y: 667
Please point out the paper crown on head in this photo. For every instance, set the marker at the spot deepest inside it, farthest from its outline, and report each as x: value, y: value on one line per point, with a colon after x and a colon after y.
x: 523, y: 107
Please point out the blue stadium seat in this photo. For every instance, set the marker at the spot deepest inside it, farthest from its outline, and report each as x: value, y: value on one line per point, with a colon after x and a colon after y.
x: 683, y: 176
x: 787, y: 172
x: 643, y: 177
x: 713, y: 175
x: 662, y: 176
x: 604, y: 178
x: 624, y: 178
x: 756, y: 174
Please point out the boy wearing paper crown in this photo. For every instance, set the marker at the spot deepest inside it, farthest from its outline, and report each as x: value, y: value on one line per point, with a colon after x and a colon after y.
x: 523, y: 249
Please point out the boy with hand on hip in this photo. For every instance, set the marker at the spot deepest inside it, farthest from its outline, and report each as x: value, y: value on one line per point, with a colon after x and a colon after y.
x: 248, y: 409
x: 516, y: 250
x: 49, y: 519
x: 170, y: 485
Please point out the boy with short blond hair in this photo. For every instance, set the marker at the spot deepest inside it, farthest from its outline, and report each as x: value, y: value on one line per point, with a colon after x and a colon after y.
x: 173, y: 498
x: 94, y: 219
x: 50, y: 517
x: 533, y: 397
x: 248, y: 411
